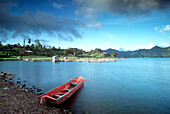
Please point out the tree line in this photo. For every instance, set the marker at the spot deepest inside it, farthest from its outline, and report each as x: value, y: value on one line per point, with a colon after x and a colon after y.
x: 36, y: 48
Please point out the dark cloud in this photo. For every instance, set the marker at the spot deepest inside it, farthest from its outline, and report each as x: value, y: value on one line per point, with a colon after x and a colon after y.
x: 130, y: 8
x: 26, y: 24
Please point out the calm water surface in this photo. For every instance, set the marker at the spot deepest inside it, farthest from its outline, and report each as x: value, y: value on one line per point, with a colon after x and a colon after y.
x: 126, y: 86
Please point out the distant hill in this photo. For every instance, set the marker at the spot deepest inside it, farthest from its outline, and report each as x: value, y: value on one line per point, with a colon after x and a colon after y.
x: 154, y: 52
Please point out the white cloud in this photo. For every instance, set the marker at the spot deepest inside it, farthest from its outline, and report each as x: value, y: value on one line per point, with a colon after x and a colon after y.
x: 146, y: 47
x: 122, y: 49
x: 157, y: 28
x: 151, y: 45
x: 163, y: 44
x: 108, y: 35
x: 107, y: 43
x: 164, y: 28
x: 167, y: 28
x: 94, y: 25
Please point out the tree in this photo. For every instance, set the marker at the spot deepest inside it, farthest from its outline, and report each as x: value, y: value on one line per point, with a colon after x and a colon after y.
x: 37, y: 42
x: 29, y: 41
x: 113, y: 54
x: 65, y: 52
x: 32, y: 46
x: 54, y: 48
x: 97, y: 50
x: 106, y: 55
x: 27, y: 47
x: 74, y: 53
x: 18, y: 44
x: 1, y: 46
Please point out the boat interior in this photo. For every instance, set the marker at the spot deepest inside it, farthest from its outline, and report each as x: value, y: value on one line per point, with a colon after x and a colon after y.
x: 67, y: 89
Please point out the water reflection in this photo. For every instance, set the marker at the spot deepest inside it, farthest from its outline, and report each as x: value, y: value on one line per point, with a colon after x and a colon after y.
x: 54, y: 71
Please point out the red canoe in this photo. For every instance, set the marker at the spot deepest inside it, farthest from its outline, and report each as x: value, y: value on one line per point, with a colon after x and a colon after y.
x: 61, y: 93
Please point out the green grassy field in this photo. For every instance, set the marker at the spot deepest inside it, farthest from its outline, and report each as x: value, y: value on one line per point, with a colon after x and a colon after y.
x: 8, y: 59
x: 35, y: 57
x: 24, y: 57
x: 72, y: 57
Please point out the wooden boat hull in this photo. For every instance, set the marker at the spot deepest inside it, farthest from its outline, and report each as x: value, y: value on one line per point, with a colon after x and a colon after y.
x: 63, y: 92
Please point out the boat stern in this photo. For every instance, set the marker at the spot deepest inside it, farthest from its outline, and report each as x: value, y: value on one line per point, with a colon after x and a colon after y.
x: 47, y: 99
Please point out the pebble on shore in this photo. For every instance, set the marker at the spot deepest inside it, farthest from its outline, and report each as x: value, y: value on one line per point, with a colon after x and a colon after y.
x: 13, y: 99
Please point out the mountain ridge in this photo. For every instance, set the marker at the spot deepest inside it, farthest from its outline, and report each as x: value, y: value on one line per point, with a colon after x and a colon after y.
x: 156, y: 51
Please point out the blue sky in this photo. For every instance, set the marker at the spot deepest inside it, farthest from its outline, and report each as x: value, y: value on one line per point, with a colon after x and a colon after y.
x: 87, y: 24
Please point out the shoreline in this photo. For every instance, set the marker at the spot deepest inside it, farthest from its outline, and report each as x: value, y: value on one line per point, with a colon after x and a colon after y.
x: 14, y: 99
x: 88, y: 60
x: 60, y: 59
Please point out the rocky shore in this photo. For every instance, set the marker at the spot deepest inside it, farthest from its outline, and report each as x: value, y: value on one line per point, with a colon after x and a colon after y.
x: 88, y: 60
x: 13, y: 99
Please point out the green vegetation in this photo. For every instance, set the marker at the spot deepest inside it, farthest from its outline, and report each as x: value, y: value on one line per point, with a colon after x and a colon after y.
x: 8, y: 59
x: 38, y: 51
x: 35, y: 57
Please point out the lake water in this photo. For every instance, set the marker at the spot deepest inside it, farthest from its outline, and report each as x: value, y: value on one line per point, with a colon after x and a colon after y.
x: 127, y: 86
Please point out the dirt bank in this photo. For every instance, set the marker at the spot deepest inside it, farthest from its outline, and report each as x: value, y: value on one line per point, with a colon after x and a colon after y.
x: 13, y: 99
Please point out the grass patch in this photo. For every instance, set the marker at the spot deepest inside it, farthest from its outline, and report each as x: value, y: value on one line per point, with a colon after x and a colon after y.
x: 72, y: 57
x: 35, y: 57
x: 13, y: 58
x: 69, y: 57
x: 8, y: 59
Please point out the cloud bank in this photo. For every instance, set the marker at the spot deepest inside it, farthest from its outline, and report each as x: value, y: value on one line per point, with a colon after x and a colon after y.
x: 12, y: 25
x: 131, y: 8
x: 167, y: 28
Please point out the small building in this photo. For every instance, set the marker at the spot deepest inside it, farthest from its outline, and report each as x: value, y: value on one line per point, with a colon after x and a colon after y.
x: 20, y: 57
x: 55, y: 59
x: 26, y: 52
x: 65, y: 58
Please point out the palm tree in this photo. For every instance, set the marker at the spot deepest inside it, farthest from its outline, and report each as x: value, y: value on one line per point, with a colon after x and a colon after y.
x: 24, y: 43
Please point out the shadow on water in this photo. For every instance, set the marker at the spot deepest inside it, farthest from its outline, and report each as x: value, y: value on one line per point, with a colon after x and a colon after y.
x: 67, y: 104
